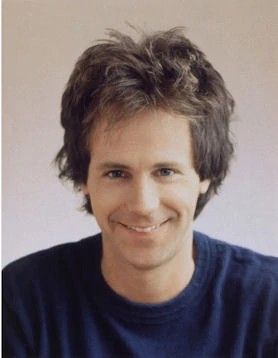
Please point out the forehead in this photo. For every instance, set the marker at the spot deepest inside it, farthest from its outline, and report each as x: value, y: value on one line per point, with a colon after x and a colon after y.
x: 151, y: 133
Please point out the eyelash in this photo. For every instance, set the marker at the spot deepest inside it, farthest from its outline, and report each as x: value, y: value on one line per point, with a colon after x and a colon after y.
x: 109, y: 174
x: 168, y: 170
x: 121, y: 174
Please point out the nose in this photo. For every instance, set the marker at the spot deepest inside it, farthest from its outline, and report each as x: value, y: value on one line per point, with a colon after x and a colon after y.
x: 143, y: 197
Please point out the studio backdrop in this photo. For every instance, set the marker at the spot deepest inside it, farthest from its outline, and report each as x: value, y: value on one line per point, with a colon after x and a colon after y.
x: 42, y: 40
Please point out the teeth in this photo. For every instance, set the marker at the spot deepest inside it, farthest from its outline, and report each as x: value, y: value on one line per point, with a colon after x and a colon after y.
x: 143, y: 229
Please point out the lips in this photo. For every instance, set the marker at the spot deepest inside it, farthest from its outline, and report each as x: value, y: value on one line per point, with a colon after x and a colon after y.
x: 143, y: 229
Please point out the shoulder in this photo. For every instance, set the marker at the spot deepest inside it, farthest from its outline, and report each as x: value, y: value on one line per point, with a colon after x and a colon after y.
x: 48, y: 265
x: 242, y: 260
x: 241, y: 276
x: 39, y: 290
x: 243, y: 288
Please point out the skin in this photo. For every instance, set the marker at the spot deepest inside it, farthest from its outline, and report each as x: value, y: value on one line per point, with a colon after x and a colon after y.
x: 141, y: 175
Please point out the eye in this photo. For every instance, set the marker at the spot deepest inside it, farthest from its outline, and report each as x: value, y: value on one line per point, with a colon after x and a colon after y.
x: 115, y: 174
x: 166, y: 172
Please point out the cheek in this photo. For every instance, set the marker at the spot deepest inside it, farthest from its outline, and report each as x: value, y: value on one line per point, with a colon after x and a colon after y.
x: 182, y: 198
x: 105, y: 199
x: 183, y: 192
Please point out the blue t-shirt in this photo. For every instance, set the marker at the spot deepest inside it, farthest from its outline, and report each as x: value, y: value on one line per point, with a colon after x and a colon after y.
x: 57, y: 304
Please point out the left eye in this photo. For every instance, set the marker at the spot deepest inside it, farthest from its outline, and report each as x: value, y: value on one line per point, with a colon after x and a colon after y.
x: 166, y: 172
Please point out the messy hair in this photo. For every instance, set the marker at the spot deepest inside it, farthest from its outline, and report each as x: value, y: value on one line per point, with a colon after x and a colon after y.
x: 163, y: 70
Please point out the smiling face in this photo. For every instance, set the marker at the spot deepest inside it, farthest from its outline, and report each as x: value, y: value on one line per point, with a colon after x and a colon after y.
x: 143, y: 189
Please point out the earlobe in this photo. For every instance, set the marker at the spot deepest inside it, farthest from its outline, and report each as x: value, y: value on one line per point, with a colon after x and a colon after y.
x: 204, y: 185
x: 84, y: 189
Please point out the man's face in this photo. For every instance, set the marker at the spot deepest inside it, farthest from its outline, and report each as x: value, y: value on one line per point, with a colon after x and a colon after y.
x: 143, y: 188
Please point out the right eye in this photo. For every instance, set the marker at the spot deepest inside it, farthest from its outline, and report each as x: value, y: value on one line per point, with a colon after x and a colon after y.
x: 115, y: 174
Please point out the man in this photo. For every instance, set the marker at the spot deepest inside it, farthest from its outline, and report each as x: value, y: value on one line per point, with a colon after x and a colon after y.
x: 147, y: 142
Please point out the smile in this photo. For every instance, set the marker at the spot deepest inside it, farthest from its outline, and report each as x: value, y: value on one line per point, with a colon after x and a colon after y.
x: 144, y: 228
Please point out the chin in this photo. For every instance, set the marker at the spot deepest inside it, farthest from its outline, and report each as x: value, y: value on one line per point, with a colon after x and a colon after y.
x: 146, y: 261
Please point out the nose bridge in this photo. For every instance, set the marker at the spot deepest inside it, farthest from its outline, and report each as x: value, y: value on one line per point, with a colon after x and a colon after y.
x: 143, y: 197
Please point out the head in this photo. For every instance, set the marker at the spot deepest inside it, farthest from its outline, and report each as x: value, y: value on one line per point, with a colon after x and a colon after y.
x: 119, y: 78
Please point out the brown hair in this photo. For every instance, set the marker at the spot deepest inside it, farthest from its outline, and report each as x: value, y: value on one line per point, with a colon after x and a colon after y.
x: 162, y: 70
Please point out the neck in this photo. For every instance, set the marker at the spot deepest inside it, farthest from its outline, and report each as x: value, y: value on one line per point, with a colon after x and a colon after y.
x: 153, y: 285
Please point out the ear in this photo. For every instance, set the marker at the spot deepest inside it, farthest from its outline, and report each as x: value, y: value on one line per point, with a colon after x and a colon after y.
x: 204, y: 185
x: 84, y: 189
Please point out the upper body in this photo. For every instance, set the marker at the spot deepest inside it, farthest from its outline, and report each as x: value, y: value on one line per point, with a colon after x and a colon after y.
x: 147, y: 142
x: 57, y: 304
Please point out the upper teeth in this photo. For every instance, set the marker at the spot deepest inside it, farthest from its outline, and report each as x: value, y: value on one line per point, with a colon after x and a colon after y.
x: 143, y: 229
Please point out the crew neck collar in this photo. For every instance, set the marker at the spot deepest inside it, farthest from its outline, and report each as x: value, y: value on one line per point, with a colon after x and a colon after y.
x: 108, y: 300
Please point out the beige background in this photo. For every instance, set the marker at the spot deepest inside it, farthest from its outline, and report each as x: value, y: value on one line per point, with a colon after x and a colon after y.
x: 41, y: 42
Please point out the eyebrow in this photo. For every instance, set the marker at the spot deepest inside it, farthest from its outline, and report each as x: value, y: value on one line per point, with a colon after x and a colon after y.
x: 113, y: 165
